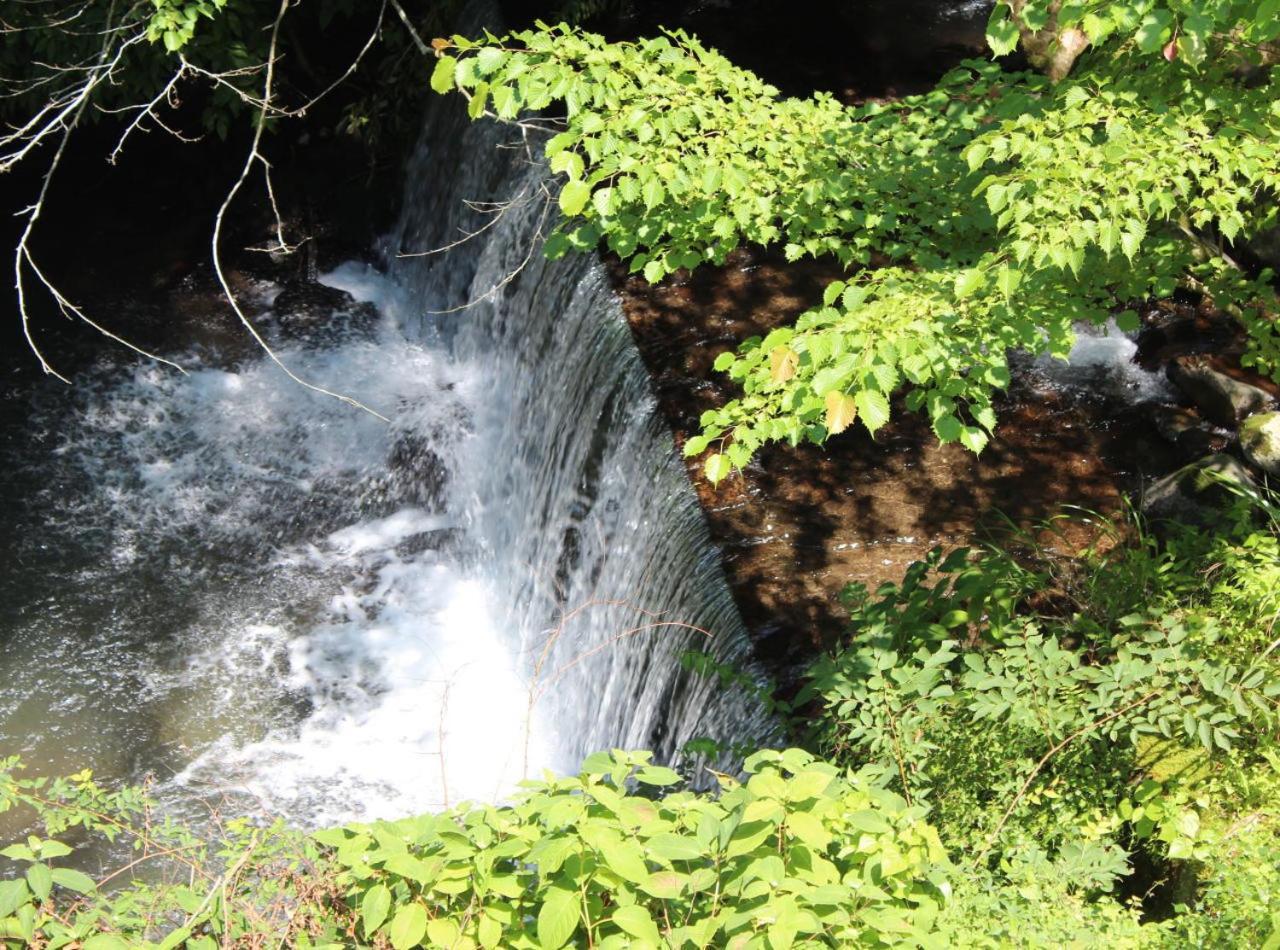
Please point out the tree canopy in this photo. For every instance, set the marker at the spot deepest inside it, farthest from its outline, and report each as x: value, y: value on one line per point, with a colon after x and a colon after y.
x: 996, y: 211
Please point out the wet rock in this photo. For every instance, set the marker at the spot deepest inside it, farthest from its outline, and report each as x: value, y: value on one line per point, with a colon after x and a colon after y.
x: 1221, y: 399
x: 419, y: 472
x: 313, y: 311
x: 1182, y: 428
x: 1196, y: 494
x: 438, y: 539
x: 1260, y: 442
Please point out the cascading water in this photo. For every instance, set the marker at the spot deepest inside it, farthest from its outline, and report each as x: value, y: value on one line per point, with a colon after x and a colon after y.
x: 251, y: 590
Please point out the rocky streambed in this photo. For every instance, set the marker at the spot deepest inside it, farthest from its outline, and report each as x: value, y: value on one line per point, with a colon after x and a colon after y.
x: 801, y: 523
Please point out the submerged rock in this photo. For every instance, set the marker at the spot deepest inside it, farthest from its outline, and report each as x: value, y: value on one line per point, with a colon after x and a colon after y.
x: 1196, y: 494
x: 314, y: 312
x: 1223, y: 400
x: 1187, y: 431
x: 1260, y: 442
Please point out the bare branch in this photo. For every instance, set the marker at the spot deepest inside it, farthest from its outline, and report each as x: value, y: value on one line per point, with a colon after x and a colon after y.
x: 255, y: 156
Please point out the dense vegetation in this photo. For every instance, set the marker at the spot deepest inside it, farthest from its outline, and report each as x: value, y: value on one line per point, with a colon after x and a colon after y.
x: 1005, y: 208
x: 1016, y: 748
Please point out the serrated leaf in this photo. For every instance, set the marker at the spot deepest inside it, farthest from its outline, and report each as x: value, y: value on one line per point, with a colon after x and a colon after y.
x: 841, y: 411
x: 716, y: 468
x: 783, y: 362
x: 1127, y: 321
x: 489, y: 59
x: 973, y: 439
x: 970, y: 282
x: 947, y: 428
x: 873, y: 407
x: 1154, y: 31
x: 574, y: 197
x: 442, y: 75
x: 1002, y: 32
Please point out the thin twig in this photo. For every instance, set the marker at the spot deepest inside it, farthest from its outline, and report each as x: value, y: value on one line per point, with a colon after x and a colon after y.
x: 254, y: 157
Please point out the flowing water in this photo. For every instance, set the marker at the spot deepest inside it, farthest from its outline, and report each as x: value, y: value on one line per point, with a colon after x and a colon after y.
x: 255, y: 592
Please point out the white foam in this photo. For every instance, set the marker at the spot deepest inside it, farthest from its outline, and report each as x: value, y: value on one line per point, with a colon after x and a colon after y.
x: 321, y: 658
x: 1102, y: 360
x: 415, y: 699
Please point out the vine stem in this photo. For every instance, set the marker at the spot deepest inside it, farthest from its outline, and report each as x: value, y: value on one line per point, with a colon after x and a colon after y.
x: 1026, y: 786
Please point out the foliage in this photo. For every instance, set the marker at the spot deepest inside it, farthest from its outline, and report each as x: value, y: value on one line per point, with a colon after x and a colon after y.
x: 1005, y: 209
x: 800, y: 855
x: 909, y: 698
x: 1020, y: 745
x: 1187, y: 30
x: 1077, y: 710
x: 177, y: 888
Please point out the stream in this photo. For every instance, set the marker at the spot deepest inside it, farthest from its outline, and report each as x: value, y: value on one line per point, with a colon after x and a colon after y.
x: 258, y: 595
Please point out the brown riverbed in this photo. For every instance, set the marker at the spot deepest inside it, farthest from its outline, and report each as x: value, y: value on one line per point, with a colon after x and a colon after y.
x: 801, y: 523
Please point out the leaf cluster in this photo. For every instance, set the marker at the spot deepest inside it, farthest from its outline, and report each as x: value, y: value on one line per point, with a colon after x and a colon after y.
x: 1002, y: 210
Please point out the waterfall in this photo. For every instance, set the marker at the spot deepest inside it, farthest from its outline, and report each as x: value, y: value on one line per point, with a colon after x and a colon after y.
x: 571, y: 481
x: 254, y: 592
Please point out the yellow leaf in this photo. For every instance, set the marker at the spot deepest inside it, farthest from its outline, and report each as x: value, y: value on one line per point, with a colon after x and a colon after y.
x: 841, y: 411
x: 782, y: 363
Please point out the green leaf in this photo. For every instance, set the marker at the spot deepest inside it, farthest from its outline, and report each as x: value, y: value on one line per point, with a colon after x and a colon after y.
x: 374, y: 908
x: 716, y: 468
x: 558, y: 918
x: 488, y: 60
x: 12, y: 893
x: 574, y: 197
x: 1002, y: 32
x: 442, y: 75
x: 973, y: 439
x: 970, y: 282
x: 625, y: 859
x: 105, y: 942
x: 658, y: 775
x: 873, y: 407
x: 443, y: 932
x: 74, y: 880
x: 408, y: 927
x: 1154, y: 31
x: 489, y: 932
x: 675, y: 847
x: 869, y: 821
x: 637, y: 921
x: 53, y: 849
x: 40, y: 880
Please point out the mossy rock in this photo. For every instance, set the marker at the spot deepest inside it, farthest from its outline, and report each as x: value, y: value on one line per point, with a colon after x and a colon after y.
x: 1198, y: 493
x: 1260, y: 442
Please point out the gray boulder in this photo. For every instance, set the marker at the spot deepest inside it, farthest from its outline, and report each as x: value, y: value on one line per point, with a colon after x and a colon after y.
x: 1183, y: 428
x: 1260, y: 442
x: 1196, y: 494
x: 1222, y: 400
